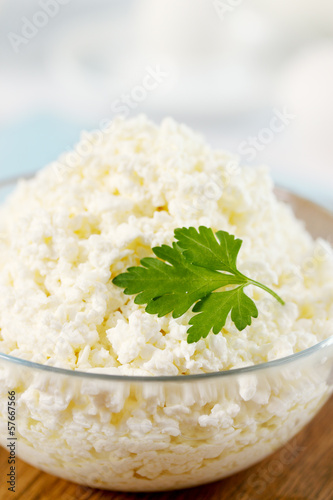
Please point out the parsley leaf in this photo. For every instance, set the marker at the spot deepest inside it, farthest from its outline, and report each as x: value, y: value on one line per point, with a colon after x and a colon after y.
x: 214, y: 310
x: 202, y: 247
x: 176, y: 287
x: 189, y: 273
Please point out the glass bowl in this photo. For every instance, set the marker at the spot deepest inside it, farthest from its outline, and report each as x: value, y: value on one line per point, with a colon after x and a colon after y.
x: 161, y: 433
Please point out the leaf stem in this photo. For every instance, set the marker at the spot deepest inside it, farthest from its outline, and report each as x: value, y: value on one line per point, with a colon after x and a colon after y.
x: 268, y: 290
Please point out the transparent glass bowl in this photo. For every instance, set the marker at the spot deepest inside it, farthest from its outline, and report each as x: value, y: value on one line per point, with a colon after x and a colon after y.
x: 161, y: 433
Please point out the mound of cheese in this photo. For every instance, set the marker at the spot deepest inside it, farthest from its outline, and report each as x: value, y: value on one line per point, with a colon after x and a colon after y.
x: 69, y: 231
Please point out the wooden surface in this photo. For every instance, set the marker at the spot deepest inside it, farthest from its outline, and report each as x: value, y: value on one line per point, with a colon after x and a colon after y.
x: 301, y: 471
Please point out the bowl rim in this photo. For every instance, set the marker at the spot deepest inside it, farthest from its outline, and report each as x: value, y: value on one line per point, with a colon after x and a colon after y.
x: 276, y: 363
x: 234, y: 372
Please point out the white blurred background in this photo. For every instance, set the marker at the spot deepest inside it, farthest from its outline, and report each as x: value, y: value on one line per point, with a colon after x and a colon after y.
x: 254, y: 76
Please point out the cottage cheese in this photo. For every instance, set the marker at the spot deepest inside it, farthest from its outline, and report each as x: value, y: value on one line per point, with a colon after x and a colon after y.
x: 83, y: 220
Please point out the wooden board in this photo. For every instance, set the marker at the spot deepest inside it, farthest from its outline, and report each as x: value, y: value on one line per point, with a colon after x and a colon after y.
x: 303, y: 470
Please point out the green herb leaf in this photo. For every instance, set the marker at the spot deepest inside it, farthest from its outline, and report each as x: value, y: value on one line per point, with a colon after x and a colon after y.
x: 171, y: 287
x: 201, y: 247
x: 188, y: 273
x: 214, y: 310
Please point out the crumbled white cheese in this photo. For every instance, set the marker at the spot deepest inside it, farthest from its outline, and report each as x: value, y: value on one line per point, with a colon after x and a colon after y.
x: 65, y: 237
